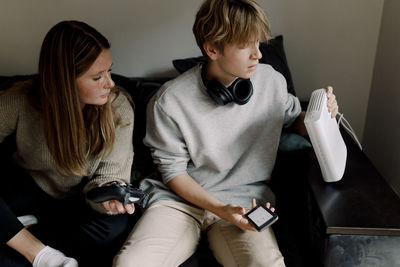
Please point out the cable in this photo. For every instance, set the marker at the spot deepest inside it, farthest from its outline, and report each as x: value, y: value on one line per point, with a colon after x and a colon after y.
x: 346, y: 125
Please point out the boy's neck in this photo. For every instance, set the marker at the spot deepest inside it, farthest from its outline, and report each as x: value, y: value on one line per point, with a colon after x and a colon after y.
x: 213, y: 72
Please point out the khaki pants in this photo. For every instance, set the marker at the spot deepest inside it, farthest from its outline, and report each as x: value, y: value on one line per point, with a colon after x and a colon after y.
x: 168, y: 233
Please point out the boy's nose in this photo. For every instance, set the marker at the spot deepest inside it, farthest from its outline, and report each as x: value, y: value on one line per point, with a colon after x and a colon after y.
x: 256, y: 52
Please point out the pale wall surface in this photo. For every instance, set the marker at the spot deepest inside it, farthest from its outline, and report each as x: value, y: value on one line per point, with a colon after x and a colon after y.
x: 382, y: 130
x: 327, y: 42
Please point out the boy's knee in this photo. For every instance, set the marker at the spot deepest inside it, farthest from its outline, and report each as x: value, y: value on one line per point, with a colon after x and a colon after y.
x: 265, y: 258
x: 135, y: 255
x: 124, y: 259
x: 272, y: 258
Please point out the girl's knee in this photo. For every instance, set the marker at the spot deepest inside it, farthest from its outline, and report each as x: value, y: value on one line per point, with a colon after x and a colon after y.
x: 106, y: 229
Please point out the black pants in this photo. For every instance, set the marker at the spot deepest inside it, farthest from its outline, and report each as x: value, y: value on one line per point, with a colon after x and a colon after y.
x: 70, y: 225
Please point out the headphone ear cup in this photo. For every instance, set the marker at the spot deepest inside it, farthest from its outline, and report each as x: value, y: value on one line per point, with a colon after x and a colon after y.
x: 241, y: 91
x: 219, y: 93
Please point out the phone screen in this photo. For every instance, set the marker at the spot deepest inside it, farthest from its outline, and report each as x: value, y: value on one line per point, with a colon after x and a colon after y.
x: 261, y: 217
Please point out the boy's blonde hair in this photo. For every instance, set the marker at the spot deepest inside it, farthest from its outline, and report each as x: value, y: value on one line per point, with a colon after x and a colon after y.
x: 221, y: 22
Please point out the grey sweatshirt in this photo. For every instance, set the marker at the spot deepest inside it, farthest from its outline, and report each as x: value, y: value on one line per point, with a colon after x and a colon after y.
x: 229, y: 150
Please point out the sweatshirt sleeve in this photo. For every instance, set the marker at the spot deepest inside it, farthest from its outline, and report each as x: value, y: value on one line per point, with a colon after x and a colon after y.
x: 166, y: 143
x: 292, y: 109
x: 116, y: 164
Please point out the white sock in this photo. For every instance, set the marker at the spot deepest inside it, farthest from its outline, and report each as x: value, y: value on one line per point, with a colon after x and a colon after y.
x: 50, y: 257
x: 28, y: 220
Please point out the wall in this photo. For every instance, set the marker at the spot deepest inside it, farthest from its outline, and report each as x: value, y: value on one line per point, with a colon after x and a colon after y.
x: 382, y: 131
x: 327, y: 42
x: 145, y: 35
x: 331, y: 43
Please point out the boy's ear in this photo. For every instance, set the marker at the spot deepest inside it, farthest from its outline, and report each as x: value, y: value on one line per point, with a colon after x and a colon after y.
x: 211, y: 51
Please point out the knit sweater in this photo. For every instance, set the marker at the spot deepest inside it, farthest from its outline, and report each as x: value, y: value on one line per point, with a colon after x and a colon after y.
x: 17, y: 115
x: 229, y: 150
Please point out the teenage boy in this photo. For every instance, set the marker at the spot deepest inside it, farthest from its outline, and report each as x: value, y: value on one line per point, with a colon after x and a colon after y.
x: 215, y: 156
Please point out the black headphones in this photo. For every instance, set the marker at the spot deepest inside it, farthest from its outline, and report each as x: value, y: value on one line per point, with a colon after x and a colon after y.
x: 240, y: 91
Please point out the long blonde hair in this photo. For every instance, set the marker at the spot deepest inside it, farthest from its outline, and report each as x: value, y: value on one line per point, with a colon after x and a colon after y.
x: 72, y: 134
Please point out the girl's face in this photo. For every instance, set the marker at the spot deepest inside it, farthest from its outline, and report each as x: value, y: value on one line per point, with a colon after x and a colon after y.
x: 95, y: 84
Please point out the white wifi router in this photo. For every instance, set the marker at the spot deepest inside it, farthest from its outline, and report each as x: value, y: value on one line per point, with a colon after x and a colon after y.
x: 325, y: 137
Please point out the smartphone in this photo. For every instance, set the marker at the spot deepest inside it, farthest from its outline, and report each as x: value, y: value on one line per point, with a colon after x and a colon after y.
x: 261, y: 217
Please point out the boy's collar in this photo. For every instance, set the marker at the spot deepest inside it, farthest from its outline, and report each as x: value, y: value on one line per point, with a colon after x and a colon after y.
x: 203, y: 71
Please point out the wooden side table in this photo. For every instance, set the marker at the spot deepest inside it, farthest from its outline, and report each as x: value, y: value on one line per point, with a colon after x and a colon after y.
x: 360, y: 213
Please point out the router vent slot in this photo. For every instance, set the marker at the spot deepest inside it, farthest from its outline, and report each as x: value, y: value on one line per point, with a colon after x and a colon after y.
x: 311, y: 105
x: 319, y: 100
x: 316, y: 101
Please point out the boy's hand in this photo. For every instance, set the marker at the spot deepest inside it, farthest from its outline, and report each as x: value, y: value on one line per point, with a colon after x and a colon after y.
x: 333, y: 107
x: 235, y: 215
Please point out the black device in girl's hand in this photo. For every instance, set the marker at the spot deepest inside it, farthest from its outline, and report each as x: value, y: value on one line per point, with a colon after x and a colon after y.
x: 261, y: 217
x: 124, y: 193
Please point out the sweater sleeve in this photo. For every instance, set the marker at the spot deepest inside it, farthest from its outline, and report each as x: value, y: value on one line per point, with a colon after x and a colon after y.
x: 116, y: 164
x: 10, y: 103
x: 166, y: 143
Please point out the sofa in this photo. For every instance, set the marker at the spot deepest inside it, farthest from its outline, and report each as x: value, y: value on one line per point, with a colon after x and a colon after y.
x: 298, y: 229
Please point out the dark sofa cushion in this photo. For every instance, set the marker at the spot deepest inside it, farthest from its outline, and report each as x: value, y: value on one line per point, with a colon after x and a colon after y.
x: 182, y: 65
x: 8, y: 81
x: 141, y: 90
x: 273, y: 53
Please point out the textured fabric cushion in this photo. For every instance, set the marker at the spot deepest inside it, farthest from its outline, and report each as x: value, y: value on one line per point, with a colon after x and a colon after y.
x: 273, y: 53
x: 182, y: 65
x: 9, y: 81
x: 141, y: 90
x: 291, y: 142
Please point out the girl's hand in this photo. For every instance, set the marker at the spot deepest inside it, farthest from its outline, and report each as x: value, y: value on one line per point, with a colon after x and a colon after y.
x: 117, y: 207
